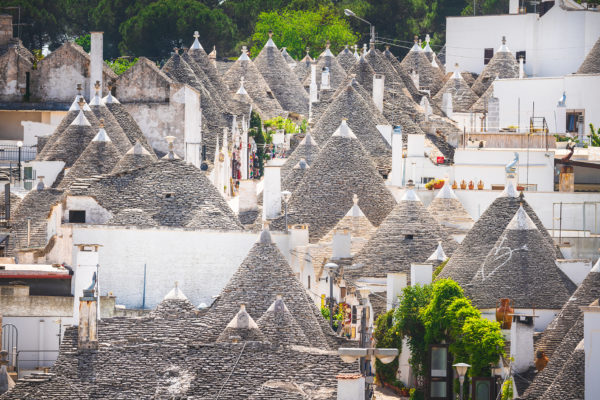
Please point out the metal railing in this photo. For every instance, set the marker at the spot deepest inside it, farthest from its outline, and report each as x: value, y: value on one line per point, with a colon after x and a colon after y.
x: 11, y: 153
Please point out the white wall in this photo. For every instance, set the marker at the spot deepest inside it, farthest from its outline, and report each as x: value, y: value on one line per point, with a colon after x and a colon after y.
x: 581, y: 91
x: 555, y: 44
x: 488, y: 165
x: 202, y: 261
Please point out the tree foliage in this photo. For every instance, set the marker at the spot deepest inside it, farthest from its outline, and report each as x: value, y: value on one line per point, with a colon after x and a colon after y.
x: 440, y: 313
x: 298, y: 29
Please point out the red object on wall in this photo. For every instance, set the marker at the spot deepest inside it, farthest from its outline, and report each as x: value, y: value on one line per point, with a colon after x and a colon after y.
x: 440, y: 160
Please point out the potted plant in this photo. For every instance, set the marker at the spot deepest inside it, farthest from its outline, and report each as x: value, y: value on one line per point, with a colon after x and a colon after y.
x: 471, y: 185
x: 463, y: 184
x: 438, y: 183
x: 454, y: 185
x: 429, y: 185
x: 480, y: 185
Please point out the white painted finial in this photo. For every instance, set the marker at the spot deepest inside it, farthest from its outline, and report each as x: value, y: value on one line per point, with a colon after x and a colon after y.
x: 196, y: 45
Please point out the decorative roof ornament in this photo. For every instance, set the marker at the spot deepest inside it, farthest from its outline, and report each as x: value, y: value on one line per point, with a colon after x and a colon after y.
x: 242, y: 89
x: 78, y: 96
x: 438, y: 254
x: 96, y: 100
x: 175, y: 293
x: 427, y: 48
x: 509, y: 190
x: 504, y: 47
x: 244, y: 56
x: 410, y: 195
x: 196, y: 45
x: 81, y: 120
x: 270, y: 42
x: 511, y: 167
x: 356, y: 52
x: 213, y: 54
x: 456, y: 74
x: 446, y: 192
x: 101, y: 136
x: 344, y: 130
x: 171, y: 154
x: 416, y: 46
x: 265, y: 235
x: 327, y: 52
x: 108, y: 99
x: 521, y: 221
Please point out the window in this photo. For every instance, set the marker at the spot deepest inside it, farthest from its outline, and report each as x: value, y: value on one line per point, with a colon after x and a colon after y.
x: 77, y: 216
x: 573, y: 120
x: 440, y: 373
x: 487, y: 55
x: 522, y: 54
x: 409, y: 237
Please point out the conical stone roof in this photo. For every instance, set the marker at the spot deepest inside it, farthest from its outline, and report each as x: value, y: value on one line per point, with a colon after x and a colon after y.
x: 263, y: 275
x: 136, y: 157
x: 98, y: 158
x: 408, y: 235
x: 429, y: 77
x: 287, y: 90
x: 204, y: 80
x: 481, y: 105
x: 132, y: 217
x: 298, y: 163
x: 288, y: 59
x: 473, y: 250
x: 241, y: 328
x: 337, y: 74
x: 463, y: 97
x: 346, y: 59
x: 302, y: 68
x: 503, y: 65
x: 280, y: 327
x: 362, y: 71
x: 127, y: 123
x: 72, y: 141
x: 174, y: 305
x: 449, y: 212
x: 66, y: 121
x: 209, y: 68
x: 255, y: 85
x: 341, y: 169
x: 521, y: 267
x: 350, y: 104
x: 587, y: 292
x: 591, y: 64
x: 406, y: 79
x: 112, y: 127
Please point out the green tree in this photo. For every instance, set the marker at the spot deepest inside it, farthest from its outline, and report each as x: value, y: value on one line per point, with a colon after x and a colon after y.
x: 594, y: 136
x: 165, y: 24
x: 484, y: 7
x: 298, y: 29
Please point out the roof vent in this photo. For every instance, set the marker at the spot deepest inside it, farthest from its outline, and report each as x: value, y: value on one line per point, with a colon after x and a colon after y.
x: 171, y: 153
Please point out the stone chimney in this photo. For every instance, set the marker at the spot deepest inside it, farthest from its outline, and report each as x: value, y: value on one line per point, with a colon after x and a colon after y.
x: 272, y: 189
x: 248, y: 200
x: 96, y: 61
x: 447, y: 105
x: 88, y: 328
x: 414, y: 76
x: 325, y: 84
x: 521, y: 68
x: 350, y: 387
x: 591, y: 342
x: 521, y: 342
x: 313, y: 83
x: 378, y: 88
x: 396, y: 282
x: 397, y: 165
x: 85, y: 260
x: 6, y: 29
x: 421, y: 274
x: 341, y: 245
x: 416, y: 145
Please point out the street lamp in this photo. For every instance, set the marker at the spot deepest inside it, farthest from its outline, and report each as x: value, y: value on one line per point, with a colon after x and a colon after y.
x: 350, y: 13
x: 461, y: 369
x: 20, y: 146
x: 331, y: 269
x: 286, y: 194
x: 352, y: 354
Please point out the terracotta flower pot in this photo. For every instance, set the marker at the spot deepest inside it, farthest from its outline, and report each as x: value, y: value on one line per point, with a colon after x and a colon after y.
x: 438, y: 185
x: 503, y: 313
x: 480, y: 185
x: 454, y: 185
x: 471, y: 185
x: 463, y: 184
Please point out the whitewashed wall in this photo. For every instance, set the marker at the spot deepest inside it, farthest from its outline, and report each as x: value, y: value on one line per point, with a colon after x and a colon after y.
x: 201, y: 261
x: 581, y: 91
x: 556, y: 44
